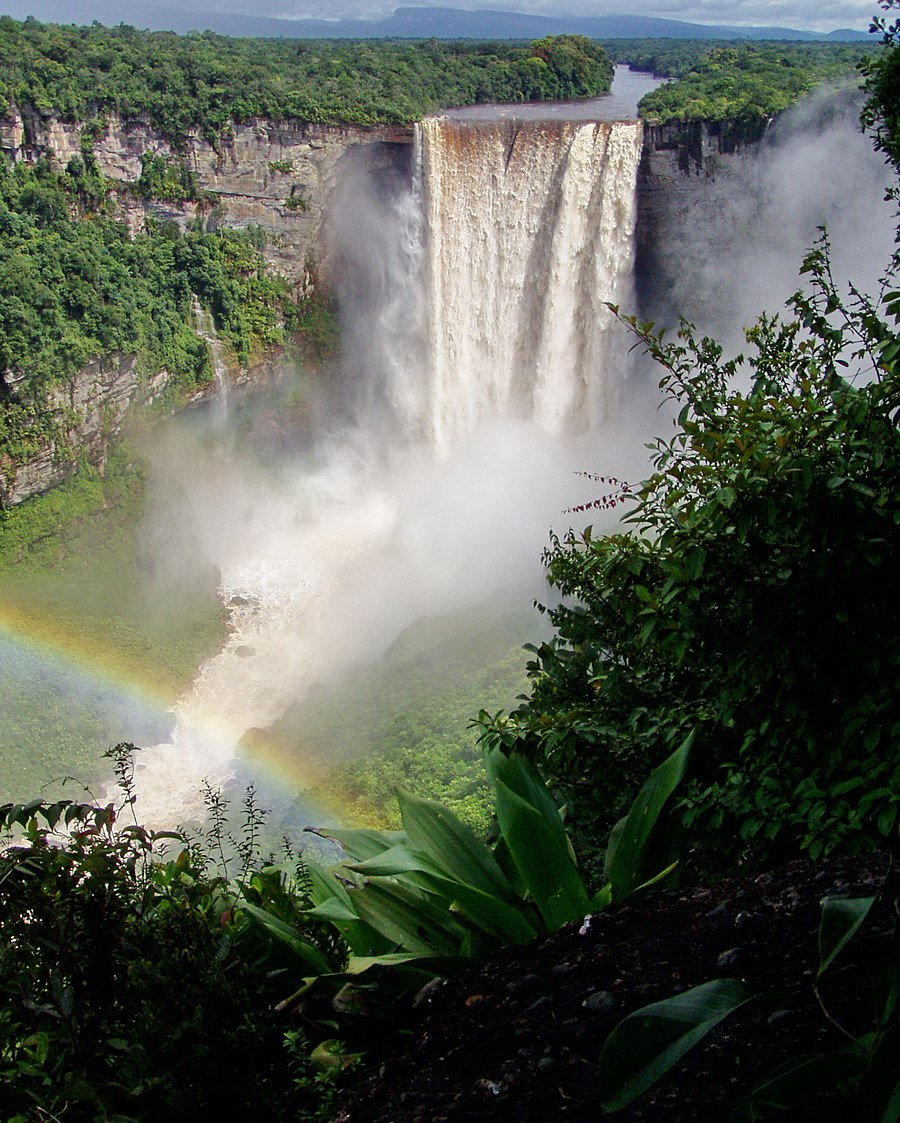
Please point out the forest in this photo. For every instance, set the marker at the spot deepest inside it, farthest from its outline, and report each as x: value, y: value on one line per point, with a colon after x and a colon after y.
x: 744, y: 84
x: 205, y: 82
x: 75, y: 285
x: 718, y: 695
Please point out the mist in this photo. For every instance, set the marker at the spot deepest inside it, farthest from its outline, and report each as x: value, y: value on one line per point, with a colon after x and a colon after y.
x: 734, y: 248
x: 334, y: 530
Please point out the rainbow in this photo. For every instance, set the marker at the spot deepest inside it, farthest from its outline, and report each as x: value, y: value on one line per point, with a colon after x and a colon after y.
x: 80, y: 693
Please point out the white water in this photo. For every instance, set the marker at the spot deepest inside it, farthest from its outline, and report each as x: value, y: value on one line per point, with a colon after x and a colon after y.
x: 485, y: 347
x: 529, y: 227
x: 206, y: 329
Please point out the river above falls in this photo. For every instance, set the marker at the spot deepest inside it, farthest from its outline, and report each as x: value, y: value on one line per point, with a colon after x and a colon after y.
x: 628, y: 87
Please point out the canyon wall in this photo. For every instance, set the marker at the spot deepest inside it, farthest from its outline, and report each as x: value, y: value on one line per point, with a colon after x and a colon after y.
x: 276, y: 175
x: 688, y: 176
x: 727, y: 214
x: 280, y: 176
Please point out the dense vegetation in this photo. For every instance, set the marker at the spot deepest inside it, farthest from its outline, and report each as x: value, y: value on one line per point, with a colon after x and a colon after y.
x: 96, y: 642
x: 206, y: 82
x: 722, y: 681
x: 74, y: 285
x: 747, y: 608
x: 405, y: 721
x: 743, y: 84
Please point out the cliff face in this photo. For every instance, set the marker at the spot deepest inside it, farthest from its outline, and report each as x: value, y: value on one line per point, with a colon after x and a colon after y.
x: 92, y: 408
x: 277, y: 175
x: 689, y: 179
x: 280, y: 176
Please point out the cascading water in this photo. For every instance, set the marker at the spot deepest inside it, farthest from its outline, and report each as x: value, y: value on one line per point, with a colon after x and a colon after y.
x: 529, y: 228
x: 478, y: 296
x: 206, y: 329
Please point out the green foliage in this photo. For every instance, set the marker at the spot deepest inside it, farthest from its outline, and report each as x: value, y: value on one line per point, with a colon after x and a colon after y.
x: 140, y: 987
x: 433, y: 894
x: 88, y: 620
x: 207, y: 82
x: 648, y: 1043
x: 405, y: 721
x: 296, y: 202
x: 863, y: 1076
x: 881, y: 114
x: 168, y: 179
x: 74, y: 286
x: 743, y: 84
x: 750, y: 604
x: 132, y: 987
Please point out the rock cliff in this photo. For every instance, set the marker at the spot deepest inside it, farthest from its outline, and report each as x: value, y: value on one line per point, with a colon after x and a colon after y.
x: 276, y: 175
x: 688, y: 172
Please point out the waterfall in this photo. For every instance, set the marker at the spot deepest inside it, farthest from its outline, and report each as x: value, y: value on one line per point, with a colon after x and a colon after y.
x: 473, y: 297
x: 528, y: 230
x: 206, y: 329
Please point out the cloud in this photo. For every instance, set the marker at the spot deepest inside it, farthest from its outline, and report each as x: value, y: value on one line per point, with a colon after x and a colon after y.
x: 823, y: 15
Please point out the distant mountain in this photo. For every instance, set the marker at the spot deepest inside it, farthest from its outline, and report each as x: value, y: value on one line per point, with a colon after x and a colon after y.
x: 404, y: 23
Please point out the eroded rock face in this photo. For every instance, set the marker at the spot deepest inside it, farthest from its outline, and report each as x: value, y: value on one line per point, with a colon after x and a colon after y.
x: 274, y: 174
x: 278, y: 175
x: 688, y: 175
x: 93, y: 406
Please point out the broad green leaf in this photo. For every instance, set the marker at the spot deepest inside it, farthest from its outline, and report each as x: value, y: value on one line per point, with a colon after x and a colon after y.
x: 886, y: 982
x: 488, y: 913
x: 290, y: 936
x: 325, y: 885
x: 841, y: 918
x: 540, y: 850
x: 625, y: 856
x: 356, y: 964
x: 881, y: 1095
x: 649, y: 1042
x: 399, y: 859
x: 601, y: 899
x: 334, y: 910
x: 407, y: 918
x: 521, y: 777
x: 361, y: 938
x: 360, y: 844
x: 436, y: 831
x: 796, y: 1082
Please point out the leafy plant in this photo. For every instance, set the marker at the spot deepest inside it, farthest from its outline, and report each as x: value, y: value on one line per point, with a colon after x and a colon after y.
x: 296, y: 201
x: 424, y: 899
x: 130, y: 985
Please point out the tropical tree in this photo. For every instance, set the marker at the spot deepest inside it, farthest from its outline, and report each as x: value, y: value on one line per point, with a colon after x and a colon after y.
x: 747, y: 599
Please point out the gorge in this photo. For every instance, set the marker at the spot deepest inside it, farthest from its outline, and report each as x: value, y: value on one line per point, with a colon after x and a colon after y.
x: 483, y: 345
x: 473, y: 261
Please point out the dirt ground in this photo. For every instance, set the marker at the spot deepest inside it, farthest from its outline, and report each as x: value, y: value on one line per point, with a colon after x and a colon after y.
x: 518, y: 1041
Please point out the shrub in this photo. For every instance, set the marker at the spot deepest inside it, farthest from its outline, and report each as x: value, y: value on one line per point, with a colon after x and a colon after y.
x: 751, y: 603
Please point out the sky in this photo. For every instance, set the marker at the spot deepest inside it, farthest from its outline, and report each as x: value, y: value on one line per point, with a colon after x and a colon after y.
x: 809, y: 15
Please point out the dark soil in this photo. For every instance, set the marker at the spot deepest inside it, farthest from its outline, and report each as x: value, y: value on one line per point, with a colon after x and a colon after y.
x: 519, y: 1040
